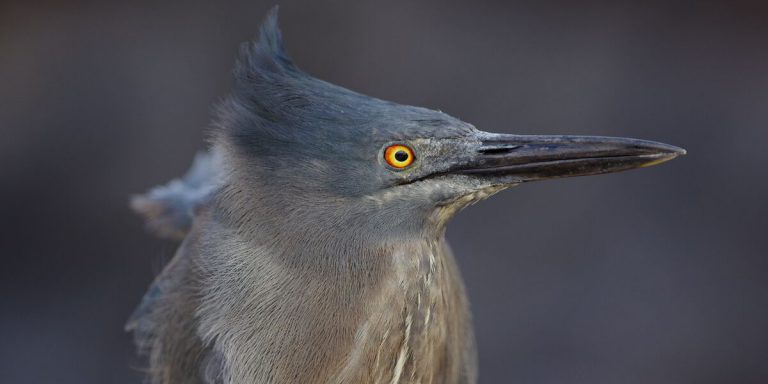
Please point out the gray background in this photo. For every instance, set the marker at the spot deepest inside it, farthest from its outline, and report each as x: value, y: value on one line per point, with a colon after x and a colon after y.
x: 651, y: 276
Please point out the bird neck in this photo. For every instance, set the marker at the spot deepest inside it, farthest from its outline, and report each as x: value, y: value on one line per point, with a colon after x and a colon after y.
x: 398, y: 303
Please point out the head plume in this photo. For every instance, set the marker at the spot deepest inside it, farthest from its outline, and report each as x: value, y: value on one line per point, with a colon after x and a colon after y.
x: 265, y: 56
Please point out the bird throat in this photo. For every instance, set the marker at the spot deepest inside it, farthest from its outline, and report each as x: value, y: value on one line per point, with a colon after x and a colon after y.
x: 417, y: 324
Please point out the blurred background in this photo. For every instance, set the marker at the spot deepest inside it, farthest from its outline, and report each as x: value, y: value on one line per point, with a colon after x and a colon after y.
x: 651, y: 276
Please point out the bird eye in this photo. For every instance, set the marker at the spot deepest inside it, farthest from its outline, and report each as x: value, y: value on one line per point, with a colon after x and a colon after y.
x: 398, y: 156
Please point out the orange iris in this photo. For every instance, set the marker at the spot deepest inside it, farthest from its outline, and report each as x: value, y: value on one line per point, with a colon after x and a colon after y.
x: 398, y: 156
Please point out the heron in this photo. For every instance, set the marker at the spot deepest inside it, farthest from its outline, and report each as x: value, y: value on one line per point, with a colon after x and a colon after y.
x: 313, y: 232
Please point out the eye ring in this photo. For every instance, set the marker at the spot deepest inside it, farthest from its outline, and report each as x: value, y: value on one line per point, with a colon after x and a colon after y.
x: 398, y: 156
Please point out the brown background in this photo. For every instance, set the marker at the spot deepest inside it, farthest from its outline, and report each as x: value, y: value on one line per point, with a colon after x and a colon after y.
x: 653, y: 276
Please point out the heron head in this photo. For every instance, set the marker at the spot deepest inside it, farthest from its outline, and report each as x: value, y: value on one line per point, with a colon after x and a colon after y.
x: 304, y: 148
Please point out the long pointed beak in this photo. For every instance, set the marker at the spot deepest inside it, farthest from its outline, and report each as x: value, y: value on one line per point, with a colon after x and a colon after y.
x: 519, y: 158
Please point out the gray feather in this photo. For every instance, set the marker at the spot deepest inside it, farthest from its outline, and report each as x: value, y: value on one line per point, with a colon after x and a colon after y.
x: 170, y: 209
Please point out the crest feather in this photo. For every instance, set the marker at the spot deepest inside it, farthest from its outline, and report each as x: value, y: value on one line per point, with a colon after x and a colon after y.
x: 267, y: 54
x: 269, y: 34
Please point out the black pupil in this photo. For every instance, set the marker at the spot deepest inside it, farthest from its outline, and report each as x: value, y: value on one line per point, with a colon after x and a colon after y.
x: 401, y: 155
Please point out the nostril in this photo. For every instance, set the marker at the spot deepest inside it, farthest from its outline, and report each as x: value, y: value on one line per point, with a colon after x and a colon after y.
x: 498, y: 149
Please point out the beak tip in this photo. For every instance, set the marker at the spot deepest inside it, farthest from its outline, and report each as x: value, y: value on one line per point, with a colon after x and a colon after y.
x: 668, y: 149
x: 669, y: 153
x: 677, y: 151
